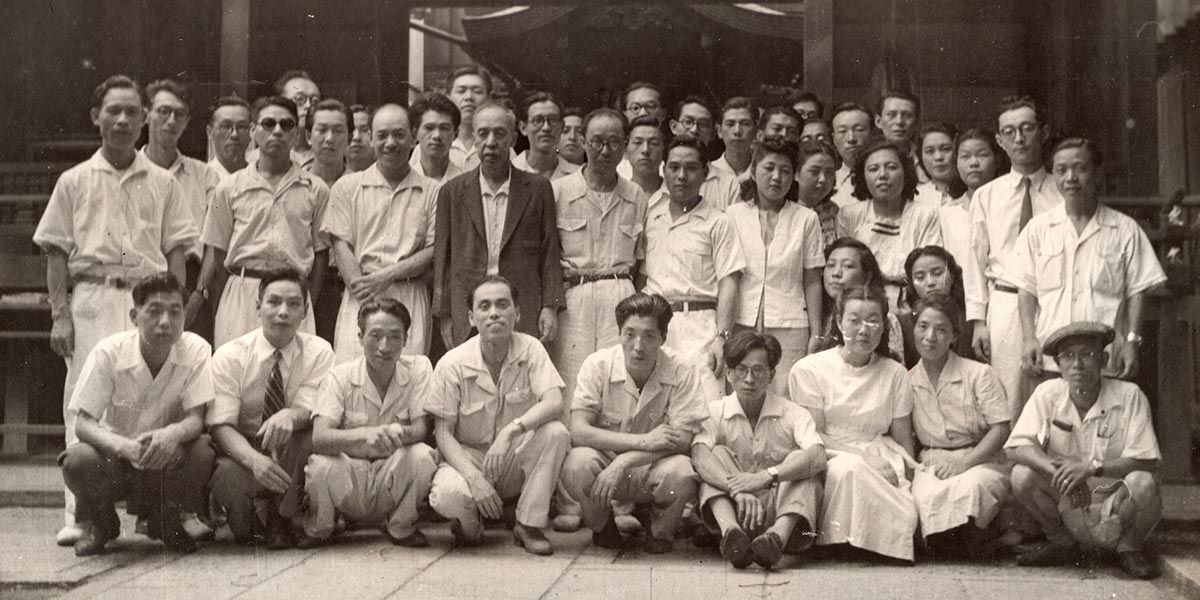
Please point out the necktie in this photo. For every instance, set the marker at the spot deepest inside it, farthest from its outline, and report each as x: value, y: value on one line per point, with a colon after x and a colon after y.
x: 1026, y: 203
x: 274, y: 401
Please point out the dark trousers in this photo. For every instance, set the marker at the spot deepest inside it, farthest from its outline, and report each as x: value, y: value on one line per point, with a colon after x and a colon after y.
x: 99, y: 480
x: 325, y: 309
x: 235, y: 489
x: 203, y: 325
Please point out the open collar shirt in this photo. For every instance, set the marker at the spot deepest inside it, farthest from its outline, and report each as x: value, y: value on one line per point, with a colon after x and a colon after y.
x: 349, y: 398
x: 671, y: 395
x: 782, y: 428
x: 382, y: 225
x: 687, y: 257
x: 599, y: 238
x: 957, y: 412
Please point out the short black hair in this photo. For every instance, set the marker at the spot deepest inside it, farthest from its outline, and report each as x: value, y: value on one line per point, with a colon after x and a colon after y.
x: 615, y: 114
x: 287, y: 274
x: 437, y: 103
x: 748, y: 188
x: 387, y: 305
x: 901, y: 95
x: 639, y: 85
x: 279, y: 101
x: 117, y: 82
x: 645, y: 305
x: 744, y: 342
x: 1084, y: 144
x: 162, y: 282
x: 475, y: 70
x: 289, y: 75
x: 175, y: 87
x: 642, y: 121
x: 806, y: 96
x: 782, y: 109
x: 957, y: 187
x: 852, y: 107
x: 988, y: 137
x: 224, y: 101
x: 686, y: 141
x: 329, y: 104
x: 535, y: 98
x: 695, y: 99
x: 742, y: 102
x: 862, y: 192
x: 1008, y: 103
x: 573, y: 111
x: 491, y: 279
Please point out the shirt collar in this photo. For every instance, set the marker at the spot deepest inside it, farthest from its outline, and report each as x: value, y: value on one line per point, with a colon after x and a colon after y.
x: 373, y: 177
x: 663, y: 205
x: 485, y: 190
x: 951, y: 372
x: 140, y: 163
x: 773, y: 406
x: 474, y: 353
x: 129, y: 357
x: 251, y: 178
x: 1107, y: 401
x: 263, y: 349
x: 662, y: 373
x: 401, y: 375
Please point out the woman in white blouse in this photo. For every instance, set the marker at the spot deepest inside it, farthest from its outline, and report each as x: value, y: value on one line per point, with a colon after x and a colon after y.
x: 861, y: 402
x: 937, y: 159
x: 780, y: 291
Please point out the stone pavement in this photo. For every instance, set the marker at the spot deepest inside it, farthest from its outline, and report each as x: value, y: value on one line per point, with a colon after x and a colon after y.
x: 363, y: 565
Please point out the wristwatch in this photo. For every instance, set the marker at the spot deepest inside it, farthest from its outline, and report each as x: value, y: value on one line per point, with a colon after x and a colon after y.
x: 203, y: 293
x: 520, y: 425
x: 774, y: 473
x: 1134, y: 337
x: 724, y: 334
x: 1097, y: 468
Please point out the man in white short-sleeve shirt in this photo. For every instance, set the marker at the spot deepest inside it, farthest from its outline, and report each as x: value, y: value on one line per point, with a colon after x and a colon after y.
x: 541, y: 121
x: 228, y: 136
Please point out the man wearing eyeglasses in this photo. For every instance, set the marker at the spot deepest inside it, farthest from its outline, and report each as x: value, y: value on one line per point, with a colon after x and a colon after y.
x: 999, y: 211
x: 737, y: 127
x: 299, y: 87
x: 542, y: 124
x: 852, y: 130
x: 265, y: 217
x: 1086, y: 457
x: 1082, y: 261
x: 110, y: 221
x: 228, y: 136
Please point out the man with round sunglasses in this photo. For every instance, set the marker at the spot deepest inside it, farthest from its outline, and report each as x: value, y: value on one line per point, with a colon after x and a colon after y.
x: 263, y: 218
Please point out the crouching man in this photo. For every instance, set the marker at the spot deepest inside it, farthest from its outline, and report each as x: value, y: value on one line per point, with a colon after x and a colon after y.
x: 636, y: 407
x: 759, y: 458
x: 141, y: 398
x: 497, y: 407
x: 370, y: 462
x: 1086, y: 454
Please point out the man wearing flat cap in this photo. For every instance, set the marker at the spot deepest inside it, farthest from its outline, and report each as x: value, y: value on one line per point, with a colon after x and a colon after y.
x: 1086, y: 455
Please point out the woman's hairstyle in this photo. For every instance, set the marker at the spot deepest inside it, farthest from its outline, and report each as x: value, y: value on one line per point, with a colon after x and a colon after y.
x: 866, y: 293
x: 872, y: 278
x: 987, y: 136
x: 748, y: 188
x: 945, y: 305
x: 744, y: 342
x: 862, y: 192
x: 957, y: 291
x: 957, y: 187
x: 383, y: 304
x: 813, y: 148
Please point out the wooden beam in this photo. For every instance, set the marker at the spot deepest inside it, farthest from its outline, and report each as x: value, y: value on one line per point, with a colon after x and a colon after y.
x: 235, y: 47
x: 818, y: 49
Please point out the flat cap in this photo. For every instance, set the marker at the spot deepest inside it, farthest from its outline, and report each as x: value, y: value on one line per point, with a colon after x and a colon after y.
x: 1091, y: 329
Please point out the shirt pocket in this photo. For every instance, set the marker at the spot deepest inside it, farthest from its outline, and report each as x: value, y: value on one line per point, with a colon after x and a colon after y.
x: 476, y: 419
x: 573, y: 235
x: 627, y: 243
x: 125, y: 410
x: 1049, y: 264
x: 1109, y: 268
x: 695, y: 258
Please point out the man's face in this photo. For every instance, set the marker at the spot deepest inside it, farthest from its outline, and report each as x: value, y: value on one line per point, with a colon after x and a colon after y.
x: 816, y: 131
x: 684, y: 173
x: 644, y: 101
x: 494, y: 313
x: 781, y: 126
x: 1081, y: 360
x: 494, y: 136
x: 606, y: 133
x: 276, y: 131
x: 645, y: 149
x: 468, y: 92
x: 737, y: 128
x: 282, y: 307
x: 168, y: 118
x: 640, y: 341
x: 1076, y: 176
x: 898, y: 120
x: 570, y: 142
x: 304, y: 93
x: 160, y: 319
x: 229, y: 131
x: 543, y: 126
x: 694, y: 120
x: 851, y: 132
x: 1021, y: 136
x: 435, y: 134
x: 382, y: 337
x: 120, y: 118
x: 391, y: 137
x: 751, y: 377
x: 807, y: 109
x: 330, y: 136
x: 360, y: 150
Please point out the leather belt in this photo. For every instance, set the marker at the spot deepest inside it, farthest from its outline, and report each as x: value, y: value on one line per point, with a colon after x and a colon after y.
x: 1008, y: 289
x: 244, y: 272
x: 693, y: 305
x: 114, y: 281
x: 572, y: 281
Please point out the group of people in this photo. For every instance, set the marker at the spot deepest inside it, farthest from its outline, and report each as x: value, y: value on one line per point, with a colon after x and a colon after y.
x: 776, y: 329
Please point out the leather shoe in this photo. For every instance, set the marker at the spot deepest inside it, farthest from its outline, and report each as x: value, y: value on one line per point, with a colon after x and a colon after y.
x: 532, y: 540
x: 308, y: 542
x: 1048, y: 555
x: 1138, y: 564
x: 735, y: 547
x: 767, y: 549
x: 460, y: 537
x: 280, y: 540
x: 567, y: 523
x: 655, y: 545
x: 104, y: 528
x: 609, y: 537
x: 173, y: 536
x: 416, y: 539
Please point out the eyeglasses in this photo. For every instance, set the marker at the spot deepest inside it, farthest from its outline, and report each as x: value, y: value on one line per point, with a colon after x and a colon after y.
x: 227, y: 128
x: 649, y: 106
x: 740, y: 371
x: 689, y: 123
x: 1027, y: 129
x: 284, y: 124
x: 613, y: 145
x: 166, y: 112
x: 539, y: 121
x: 302, y: 99
x: 1071, y: 356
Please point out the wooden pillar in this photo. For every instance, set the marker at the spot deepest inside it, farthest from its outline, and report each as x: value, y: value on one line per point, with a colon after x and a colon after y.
x: 391, y: 50
x: 235, y: 47
x: 1137, y: 102
x: 818, y: 49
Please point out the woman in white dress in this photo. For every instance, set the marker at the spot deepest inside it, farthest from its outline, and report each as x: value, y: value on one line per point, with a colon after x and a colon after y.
x: 979, y: 159
x: 890, y: 223
x: 780, y: 290
x: 937, y: 159
x: 961, y: 420
x: 861, y: 402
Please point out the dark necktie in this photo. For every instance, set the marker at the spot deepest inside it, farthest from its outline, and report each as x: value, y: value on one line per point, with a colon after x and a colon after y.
x: 1026, y: 203
x: 274, y: 401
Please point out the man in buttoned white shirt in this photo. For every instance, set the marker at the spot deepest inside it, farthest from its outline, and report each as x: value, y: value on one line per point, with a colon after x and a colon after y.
x: 381, y: 223
x: 110, y: 221
x: 330, y: 124
x: 999, y: 211
x: 141, y: 399
x: 370, y: 462
x: 1086, y: 457
x: 435, y: 119
x: 644, y: 151
x: 228, y: 136
x: 1082, y: 261
x: 694, y: 260
x: 736, y: 128
x: 636, y: 407
x: 852, y: 131
x: 896, y: 116
x: 265, y: 217
x: 497, y: 407
x: 265, y: 382
x: 360, y: 154
x: 758, y: 457
x: 641, y: 99
x: 541, y: 121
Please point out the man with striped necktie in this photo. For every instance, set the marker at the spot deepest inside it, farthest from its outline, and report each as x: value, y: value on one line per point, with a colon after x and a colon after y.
x: 265, y: 383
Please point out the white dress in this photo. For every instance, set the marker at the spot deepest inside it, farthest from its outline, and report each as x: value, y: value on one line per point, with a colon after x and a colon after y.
x: 859, y: 506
